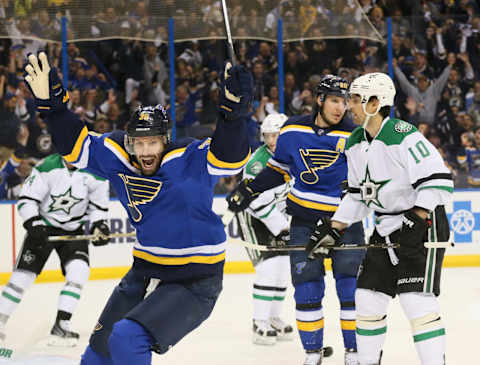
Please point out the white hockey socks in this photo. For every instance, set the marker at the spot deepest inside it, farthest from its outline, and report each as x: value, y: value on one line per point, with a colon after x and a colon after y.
x: 371, y: 324
x: 12, y: 293
x: 76, y: 273
x: 428, y: 331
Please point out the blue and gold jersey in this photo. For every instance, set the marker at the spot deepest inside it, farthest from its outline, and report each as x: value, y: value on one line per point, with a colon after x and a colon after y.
x: 171, y: 210
x: 315, y: 157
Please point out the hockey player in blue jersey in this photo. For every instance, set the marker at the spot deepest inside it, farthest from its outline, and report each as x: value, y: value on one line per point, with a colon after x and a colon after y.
x: 311, y: 149
x: 167, y: 189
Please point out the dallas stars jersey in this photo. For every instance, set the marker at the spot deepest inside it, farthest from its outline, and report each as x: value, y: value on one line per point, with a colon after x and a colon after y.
x: 270, y: 205
x: 315, y: 157
x: 178, y: 234
x: 394, y: 172
x: 64, y: 199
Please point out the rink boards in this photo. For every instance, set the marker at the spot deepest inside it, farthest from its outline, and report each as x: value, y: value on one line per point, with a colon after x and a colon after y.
x: 113, y: 260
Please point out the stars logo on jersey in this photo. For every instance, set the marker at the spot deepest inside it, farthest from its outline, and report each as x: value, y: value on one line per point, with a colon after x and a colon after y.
x: 316, y: 160
x: 140, y: 190
x: 369, y: 189
x: 65, y: 202
x: 403, y: 127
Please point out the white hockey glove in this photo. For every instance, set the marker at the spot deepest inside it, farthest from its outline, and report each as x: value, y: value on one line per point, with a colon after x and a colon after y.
x: 45, y: 84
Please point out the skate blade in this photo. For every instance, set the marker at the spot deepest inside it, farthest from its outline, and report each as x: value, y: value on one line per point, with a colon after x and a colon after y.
x: 56, y: 341
x: 262, y: 340
x: 285, y: 336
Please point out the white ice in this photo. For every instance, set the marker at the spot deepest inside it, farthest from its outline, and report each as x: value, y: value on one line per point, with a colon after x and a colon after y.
x: 225, y: 338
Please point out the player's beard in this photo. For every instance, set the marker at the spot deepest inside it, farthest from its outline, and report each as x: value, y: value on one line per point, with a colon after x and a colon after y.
x: 326, y: 120
x: 149, y: 169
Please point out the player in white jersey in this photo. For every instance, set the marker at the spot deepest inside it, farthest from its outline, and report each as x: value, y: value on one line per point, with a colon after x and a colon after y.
x: 57, y: 199
x: 266, y: 222
x: 397, y: 173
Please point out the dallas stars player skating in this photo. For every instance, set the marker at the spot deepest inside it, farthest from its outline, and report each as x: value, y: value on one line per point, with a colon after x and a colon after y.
x: 266, y: 223
x: 57, y: 199
x: 397, y: 173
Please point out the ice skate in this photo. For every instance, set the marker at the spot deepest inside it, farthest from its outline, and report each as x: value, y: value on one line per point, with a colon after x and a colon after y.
x: 314, y: 357
x: 351, y: 357
x: 284, y: 331
x: 61, y: 336
x: 263, y: 333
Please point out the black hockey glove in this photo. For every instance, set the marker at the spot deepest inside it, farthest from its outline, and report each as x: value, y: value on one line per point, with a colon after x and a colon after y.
x: 412, y: 235
x: 282, y: 239
x: 37, y: 230
x: 241, y: 197
x: 101, y: 232
x: 236, y: 92
x: 322, y: 239
x: 45, y: 84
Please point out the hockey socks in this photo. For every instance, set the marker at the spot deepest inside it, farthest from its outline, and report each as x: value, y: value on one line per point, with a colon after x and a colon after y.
x: 346, y: 286
x: 309, y: 313
x: 130, y: 343
x: 76, y: 273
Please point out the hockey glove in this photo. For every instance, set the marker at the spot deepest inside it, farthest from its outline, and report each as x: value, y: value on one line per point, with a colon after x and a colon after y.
x: 45, y: 84
x: 241, y: 197
x: 236, y: 92
x: 282, y: 239
x: 322, y: 239
x: 101, y: 232
x: 412, y: 235
x: 37, y: 230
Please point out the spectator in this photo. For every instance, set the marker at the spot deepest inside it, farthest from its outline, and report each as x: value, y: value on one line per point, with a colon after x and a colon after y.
x: 426, y: 93
x: 473, y: 159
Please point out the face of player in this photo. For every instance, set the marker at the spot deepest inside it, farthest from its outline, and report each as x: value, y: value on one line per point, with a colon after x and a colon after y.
x: 148, y: 151
x: 333, y: 109
x: 271, y: 140
x: 355, y: 107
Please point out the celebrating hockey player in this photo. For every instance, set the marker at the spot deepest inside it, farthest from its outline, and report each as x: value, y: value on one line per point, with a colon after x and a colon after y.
x: 167, y: 189
x: 265, y: 222
x: 311, y: 149
x: 398, y: 174
x: 56, y: 199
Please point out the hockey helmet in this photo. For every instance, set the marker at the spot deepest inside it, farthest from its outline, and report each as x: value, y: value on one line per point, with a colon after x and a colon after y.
x: 375, y: 84
x: 273, y: 122
x: 331, y: 85
x: 148, y: 121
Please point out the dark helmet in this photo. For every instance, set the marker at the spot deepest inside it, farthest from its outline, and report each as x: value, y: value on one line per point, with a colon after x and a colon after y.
x: 148, y: 121
x: 331, y: 85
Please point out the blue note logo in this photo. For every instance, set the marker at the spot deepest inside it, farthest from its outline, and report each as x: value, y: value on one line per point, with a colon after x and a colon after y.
x: 314, y: 160
x: 140, y: 191
x: 462, y: 221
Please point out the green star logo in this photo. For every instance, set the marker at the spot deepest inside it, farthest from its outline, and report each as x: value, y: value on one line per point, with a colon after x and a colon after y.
x: 369, y: 189
x: 63, y: 202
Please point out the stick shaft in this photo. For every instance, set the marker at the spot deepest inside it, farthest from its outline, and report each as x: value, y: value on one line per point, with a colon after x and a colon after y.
x: 82, y: 237
x: 340, y: 248
x: 231, y: 50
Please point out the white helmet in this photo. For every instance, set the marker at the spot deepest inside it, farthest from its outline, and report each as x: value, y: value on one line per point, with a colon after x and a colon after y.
x: 272, y: 123
x: 374, y: 84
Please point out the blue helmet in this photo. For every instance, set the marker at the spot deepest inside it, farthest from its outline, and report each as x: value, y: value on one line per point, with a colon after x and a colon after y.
x: 331, y: 85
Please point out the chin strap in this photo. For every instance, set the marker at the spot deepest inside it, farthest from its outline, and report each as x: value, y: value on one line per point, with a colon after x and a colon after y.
x: 364, y: 107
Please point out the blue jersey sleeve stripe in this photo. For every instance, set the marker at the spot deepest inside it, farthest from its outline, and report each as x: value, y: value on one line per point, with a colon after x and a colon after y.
x: 173, y: 154
x: 296, y: 128
x: 285, y: 174
x: 162, y: 260
x: 74, y: 156
x: 215, y: 162
x: 312, y: 205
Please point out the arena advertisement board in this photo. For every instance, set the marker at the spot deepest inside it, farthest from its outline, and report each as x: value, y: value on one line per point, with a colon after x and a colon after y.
x: 463, y: 214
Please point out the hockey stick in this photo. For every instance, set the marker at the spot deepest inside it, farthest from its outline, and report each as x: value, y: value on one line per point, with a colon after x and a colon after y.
x: 231, y: 50
x: 254, y: 246
x: 82, y: 237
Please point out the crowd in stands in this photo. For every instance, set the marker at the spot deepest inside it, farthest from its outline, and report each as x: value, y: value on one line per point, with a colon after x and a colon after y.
x: 436, y: 65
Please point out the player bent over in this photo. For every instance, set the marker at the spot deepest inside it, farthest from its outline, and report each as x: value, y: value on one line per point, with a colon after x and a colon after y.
x: 265, y: 222
x: 398, y: 174
x: 311, y: 149
x: 167, y: 189
x: 56, y: 199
